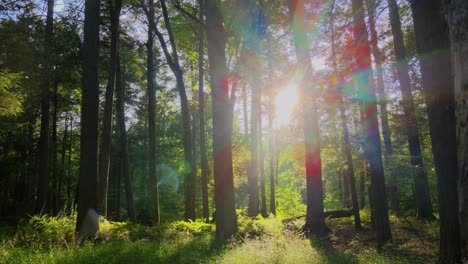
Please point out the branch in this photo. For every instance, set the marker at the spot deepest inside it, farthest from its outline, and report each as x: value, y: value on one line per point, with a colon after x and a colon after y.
x: 187, y: 13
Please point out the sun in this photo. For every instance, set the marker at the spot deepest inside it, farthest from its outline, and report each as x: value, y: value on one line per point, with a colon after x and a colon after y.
x: 285, y: 103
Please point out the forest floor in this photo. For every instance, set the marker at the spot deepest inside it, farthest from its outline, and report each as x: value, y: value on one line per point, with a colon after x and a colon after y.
x: 51, y: 240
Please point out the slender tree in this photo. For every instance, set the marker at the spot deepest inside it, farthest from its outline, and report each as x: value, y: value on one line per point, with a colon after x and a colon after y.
x: 123, y: 142
x: 380, y: 85
x: 225, y: 216
x: 421, y: 184
x: 372, y: 145
x: 106, y: 137
x: 153, y: 180
x: 315, y: 222
x: 344, y: 125
x: 201, y: 114
x: 432, y: 45
x: 88, y: 181
x: 43, y: 188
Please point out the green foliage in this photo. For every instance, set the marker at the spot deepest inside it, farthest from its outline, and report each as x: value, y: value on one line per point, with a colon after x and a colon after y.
x: 10, y: 99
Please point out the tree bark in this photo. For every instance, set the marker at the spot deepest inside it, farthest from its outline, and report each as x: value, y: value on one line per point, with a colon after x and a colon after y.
x: 432, y: 42
x: 53, y: 195
x: 124, y: 156
x: 372, y: 145
x: 315, y: 221
x: 190, y: 175
x: 458, y: 25
x: 201, y: 115
x: 226, y: 223
x: 153, y: 179
x: 262, y: 168
x: 344, y: 125
x: 106, y: 136
x: 421, y: 184
x: 43, y: 185
x: 386, y: 132
x: 88, y: 181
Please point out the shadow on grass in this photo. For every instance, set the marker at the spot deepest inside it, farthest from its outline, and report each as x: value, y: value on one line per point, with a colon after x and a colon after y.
x: 197, y: 250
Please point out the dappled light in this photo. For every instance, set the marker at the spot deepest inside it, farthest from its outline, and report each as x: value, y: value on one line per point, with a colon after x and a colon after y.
x: 233, y: 131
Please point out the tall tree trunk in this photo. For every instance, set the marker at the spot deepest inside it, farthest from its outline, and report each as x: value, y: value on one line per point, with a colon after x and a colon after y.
x: 386, y: 132
x: 315, y: 222
x: 262, y: 168
x: 88, y: 181
x: 62, y: 163
x: 372, y: 146
x: 421, y: 184
x: 54, y: 181
x: 173, y: 61
x: 106, y: 136
x: 124, y: 156
x: 458, y: 25
x: 432, y: 40
x: 43, y: 188
x: 344, y: 125
x: 201, y: 115
x: 271, y: 157
x: 153, y: 180
x: 253, y: 207
x: 226, y: 223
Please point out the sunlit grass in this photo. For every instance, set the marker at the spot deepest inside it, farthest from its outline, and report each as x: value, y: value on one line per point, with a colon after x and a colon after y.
x: 260, y: 240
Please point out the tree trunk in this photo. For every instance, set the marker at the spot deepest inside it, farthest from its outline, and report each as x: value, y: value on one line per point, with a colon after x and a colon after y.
x: 253, y: 207
x: 190, y: 175
x: 106, y: 136
x: 62, y: 163
x: 43, y: 185
x: 344, y: 125
x: 262, y: 168
x: 201, y: 115
x: 88, y: 181
x: 458, y: 25
x: 124, y: 156
x: 423, y: 198
x: 226, y: 223
x: 271, y: 161
x: 315, y: 222
x: 386, y: 132
x: 153, y: 179
x: 53, y: 195
x: 372, y: 145
x: 432, y: 40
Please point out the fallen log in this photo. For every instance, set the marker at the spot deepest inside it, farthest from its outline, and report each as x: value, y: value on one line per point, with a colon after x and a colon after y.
x: 328, y: 214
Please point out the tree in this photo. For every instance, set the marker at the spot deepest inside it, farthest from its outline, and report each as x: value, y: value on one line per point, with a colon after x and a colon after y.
x: 88, y: 181
x: 43, y: 188
x: 344, y: 125
x: 174, y: 64
x: 386, y: 132
x: 123, y: 142
x: 315, y: 221
x: 421, y: 184
x: 372, y: 146
x: 432, y: 40
x: 151, y: 93
x: 225, y: 216
x: 458, y: 26
x: 106, y: 137
x: 201, y: 115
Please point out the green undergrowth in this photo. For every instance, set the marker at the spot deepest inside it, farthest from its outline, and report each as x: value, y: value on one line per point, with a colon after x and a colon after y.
x: 261, y: 240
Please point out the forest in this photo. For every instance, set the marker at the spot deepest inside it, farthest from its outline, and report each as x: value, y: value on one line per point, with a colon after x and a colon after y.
x: 234, y: 131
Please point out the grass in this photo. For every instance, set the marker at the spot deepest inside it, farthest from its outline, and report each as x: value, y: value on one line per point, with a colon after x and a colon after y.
x: 49, y: 240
